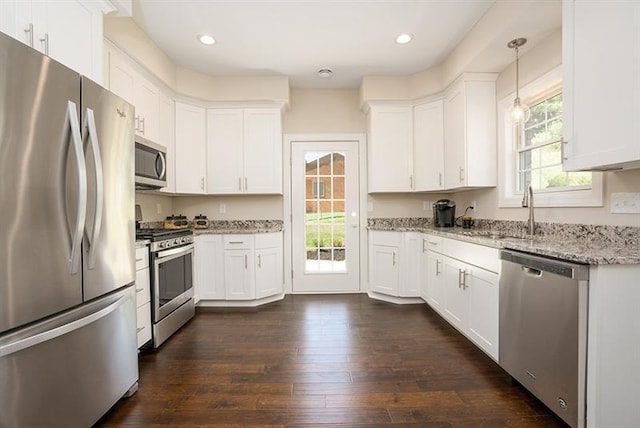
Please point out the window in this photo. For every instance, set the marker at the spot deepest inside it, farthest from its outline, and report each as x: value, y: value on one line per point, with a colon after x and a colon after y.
x: 540, y: 150
x: 318, y: 189
x: 532, y: 153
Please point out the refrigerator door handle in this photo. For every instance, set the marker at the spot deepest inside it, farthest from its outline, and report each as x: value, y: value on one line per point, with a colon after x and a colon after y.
x: 90, y: 125
x: 36, y: 339
x: 81, y: 208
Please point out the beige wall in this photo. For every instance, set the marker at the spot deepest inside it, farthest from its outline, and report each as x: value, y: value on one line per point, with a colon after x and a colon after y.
x: 324, y: 111
x: 237, y: 207
x: 155, y: 207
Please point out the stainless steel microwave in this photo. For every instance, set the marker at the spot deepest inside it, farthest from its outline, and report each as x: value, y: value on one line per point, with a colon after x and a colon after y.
x: 151, y: 165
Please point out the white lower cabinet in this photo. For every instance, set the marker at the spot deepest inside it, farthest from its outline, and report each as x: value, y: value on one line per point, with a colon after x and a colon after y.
x: 462, y: 285
x: 209, y: 279
x: 143, y: 296
x: 238, y: 267
x: 394, y: 263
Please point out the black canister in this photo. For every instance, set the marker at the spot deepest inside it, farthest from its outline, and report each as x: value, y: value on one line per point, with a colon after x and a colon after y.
x: 444, y: 213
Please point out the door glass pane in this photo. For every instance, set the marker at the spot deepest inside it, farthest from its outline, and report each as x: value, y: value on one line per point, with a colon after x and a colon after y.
x: 325, y: 212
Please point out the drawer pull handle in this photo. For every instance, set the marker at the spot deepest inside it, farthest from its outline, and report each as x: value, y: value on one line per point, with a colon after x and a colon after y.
x: 139, y: 290
x: 236, y: 242
x: 139, y: 260
x: 139, y: 329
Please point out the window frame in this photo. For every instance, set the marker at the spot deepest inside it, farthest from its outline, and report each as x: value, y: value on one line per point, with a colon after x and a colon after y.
x: 508, y: 154
x: 318, y: 189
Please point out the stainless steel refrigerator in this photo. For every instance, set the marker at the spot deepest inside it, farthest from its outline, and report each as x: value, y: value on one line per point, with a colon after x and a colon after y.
x: 67, y: 264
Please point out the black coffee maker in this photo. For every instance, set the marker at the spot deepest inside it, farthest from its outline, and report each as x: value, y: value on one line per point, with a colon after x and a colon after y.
x: 444, y: 213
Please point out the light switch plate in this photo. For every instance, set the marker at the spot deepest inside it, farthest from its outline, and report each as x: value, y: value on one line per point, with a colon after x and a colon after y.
x: 223, y: 208
x: 625, y: 203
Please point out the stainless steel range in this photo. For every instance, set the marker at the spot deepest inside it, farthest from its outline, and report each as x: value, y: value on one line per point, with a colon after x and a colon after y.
x: 171, y: 261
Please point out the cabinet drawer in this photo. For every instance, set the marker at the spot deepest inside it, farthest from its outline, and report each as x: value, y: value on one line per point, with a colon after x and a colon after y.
x: 142, y: 258
x: 433, y: 243
x: 474, y: 254
x: 143, y: 288
x: 388, y: 238
x: 268, y: 240
x: 238, y: 242
x: 144, y: 324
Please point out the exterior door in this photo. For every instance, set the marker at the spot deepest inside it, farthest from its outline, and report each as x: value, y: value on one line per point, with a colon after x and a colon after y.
x: 325, y: 229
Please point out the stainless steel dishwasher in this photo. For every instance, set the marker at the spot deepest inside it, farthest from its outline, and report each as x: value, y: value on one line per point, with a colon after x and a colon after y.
x: 543, y: 330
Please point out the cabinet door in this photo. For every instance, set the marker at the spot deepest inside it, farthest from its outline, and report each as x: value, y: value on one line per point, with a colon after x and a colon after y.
x: 143, y: 287
x: 454, y: 139
x: 190, y: 155
x: 409, y: 285
x: 597, y: 134
x: 224, y: 151
x: 147, y: 102
x: 167, y: 137
x: 268, y: 268
x: 262, y: 151
x: 121, y: 77
x: 16, y: 20
x: 435, y: 281
x: 390, y: 149
x: 238, y: 275
x: 74, y: 36
x: 209, y: 268
x: 455, y: 297
x: 482, y: 327
x: 384, y: 273
x: 428, y: 146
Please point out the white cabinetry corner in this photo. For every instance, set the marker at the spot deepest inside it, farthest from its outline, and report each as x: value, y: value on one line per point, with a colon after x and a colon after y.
x: 428, y: 146
x: 67, y: 31
x: 597, y: 76
x: 244, y: 149
x: 143, y: 296
x: 470, y: 132
x: 238, y: 267
x: 190, y: 156
x: 394, y: 263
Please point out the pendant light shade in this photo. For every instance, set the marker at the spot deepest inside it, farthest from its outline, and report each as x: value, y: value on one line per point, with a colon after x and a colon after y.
x: 518, y: 112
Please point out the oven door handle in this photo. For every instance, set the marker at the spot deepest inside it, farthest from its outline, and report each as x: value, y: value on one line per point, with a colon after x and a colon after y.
x: 161, y: 255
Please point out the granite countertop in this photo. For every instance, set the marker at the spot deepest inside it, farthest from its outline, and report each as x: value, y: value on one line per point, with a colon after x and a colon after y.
x: 241, y: 226
x: 587, y: 244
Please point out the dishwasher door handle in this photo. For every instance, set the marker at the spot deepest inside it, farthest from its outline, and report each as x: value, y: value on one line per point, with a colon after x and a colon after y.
x: 536, y: 273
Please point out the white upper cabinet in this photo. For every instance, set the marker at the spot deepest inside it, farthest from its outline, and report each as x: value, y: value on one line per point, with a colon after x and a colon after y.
x: 190, y: 155
x: 128, y: 83
x: 68, y: 31
x: 470, y: 132
x: 244, y: 149
x: 601, y: 84
x: 167, y: 137
x: 428, y: 146
x: 390, y: 148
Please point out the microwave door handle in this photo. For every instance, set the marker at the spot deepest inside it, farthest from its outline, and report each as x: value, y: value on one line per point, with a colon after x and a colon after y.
x: 97, y: 161
x: 160, y: 156
x: 81, y: 206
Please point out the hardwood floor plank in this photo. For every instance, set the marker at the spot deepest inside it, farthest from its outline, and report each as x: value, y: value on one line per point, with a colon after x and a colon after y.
x: 325, y: 361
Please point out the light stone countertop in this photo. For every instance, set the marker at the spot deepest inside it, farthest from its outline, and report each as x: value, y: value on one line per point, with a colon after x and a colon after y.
x: 586, y: 244
x: 241, y: 226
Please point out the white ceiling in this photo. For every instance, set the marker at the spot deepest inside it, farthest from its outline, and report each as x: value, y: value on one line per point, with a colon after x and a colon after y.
x: 297, y: 37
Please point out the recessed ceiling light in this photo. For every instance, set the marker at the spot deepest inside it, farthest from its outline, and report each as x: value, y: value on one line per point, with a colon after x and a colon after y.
x: 206, y: 39
x: 325, y: 73
x: 404, y: 38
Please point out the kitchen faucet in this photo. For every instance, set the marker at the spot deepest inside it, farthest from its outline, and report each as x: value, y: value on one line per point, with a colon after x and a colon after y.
x: 527, y: 201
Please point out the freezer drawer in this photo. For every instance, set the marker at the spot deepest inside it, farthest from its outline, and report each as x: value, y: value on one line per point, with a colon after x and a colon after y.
x: 70, y: 370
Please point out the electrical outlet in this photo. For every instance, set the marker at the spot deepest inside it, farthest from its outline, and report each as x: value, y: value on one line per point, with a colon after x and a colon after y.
x: 223, y: 208
x: 159, y: 208
x: 474, y: 205
x: 625, y: 203
x: 426, y: 205
x: 369, y: 206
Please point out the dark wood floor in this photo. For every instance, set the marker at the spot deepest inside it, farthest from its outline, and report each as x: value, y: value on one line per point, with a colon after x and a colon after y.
x: 334, y: 360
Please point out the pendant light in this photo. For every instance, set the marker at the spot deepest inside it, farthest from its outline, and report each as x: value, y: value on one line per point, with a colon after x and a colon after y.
x: 519, y: 112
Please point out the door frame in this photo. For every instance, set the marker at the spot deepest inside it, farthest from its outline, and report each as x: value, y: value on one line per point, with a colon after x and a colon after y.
x: 361, y: 140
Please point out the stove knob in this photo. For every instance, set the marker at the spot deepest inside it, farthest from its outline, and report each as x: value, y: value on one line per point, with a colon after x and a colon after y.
x: 161, y: 244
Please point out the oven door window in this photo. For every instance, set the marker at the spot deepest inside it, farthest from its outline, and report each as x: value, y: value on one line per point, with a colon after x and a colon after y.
x: 175, y: 277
